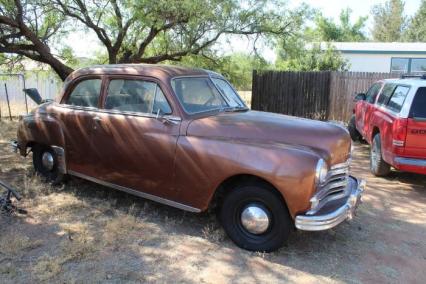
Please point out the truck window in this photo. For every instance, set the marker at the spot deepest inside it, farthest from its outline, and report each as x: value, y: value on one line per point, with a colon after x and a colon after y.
x: 86, y: 93
x: 398, y: 97
x: 386, y: 94
x: 373, y: 92
x: 418, y: 108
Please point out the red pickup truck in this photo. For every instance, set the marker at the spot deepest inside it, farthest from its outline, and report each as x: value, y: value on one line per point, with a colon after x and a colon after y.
x: 391, y: 117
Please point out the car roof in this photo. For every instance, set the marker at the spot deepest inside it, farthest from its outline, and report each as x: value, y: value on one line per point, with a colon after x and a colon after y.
x: 151, y: 70
x: 417, y: 82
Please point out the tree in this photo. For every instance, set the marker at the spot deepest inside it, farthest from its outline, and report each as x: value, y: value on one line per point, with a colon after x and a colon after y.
x: 416, y: 30
x: 327, y: 30
x: 27, y: 30
x: 389, y: 21
x: 237, y: 67
x: 310, y: 58
x: 144, y: 31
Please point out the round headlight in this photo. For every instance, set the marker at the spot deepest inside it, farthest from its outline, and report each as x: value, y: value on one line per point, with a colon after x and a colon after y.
x: 321, y: 171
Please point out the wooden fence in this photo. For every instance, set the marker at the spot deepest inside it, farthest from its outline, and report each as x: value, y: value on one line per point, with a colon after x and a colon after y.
x: 318, y: 95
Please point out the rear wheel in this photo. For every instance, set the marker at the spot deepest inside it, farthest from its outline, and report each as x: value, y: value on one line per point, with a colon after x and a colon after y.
x: 255, y: 218
x: 353, y: 132
x: 378, y: 166
x: 45, y: 163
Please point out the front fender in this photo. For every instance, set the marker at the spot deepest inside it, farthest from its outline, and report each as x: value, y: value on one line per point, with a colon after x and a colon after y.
x: 202, y: 164
x: 41, y: 128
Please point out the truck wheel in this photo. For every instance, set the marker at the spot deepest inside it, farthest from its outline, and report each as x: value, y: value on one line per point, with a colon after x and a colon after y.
x: 255, y: 218
x: 378, y: 166
x: 46, y: 164
x: 353, y: 132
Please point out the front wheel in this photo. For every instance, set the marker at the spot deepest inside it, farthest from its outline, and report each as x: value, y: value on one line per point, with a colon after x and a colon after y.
x: 378, y: 166
x: 353, y: 132
x: 255, y: 218
x: 45, y: 163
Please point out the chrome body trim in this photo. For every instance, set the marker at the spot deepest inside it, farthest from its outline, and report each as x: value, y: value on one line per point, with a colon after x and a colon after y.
x: 117, y: 112
x: 410, y: 162
x: 319, y: 222
x: 137, y: 193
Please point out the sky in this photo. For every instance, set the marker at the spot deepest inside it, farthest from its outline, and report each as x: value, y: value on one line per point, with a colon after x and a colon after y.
x: 85, y: 44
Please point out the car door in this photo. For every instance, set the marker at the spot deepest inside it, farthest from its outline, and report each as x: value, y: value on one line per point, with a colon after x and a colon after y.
x: 76, y: 111
x: 365, y: 108
x: 136, y: 136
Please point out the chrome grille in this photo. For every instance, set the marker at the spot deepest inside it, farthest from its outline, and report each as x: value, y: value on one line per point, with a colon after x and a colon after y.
x: 335, y: 187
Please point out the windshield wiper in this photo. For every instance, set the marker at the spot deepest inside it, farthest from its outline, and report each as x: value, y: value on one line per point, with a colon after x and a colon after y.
x: 237, y: 108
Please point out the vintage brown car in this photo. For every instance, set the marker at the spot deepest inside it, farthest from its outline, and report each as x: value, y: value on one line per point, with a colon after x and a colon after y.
x: 183, y: 137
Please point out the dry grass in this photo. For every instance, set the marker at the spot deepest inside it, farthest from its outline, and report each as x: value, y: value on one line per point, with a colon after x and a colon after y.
x: 81, y: 232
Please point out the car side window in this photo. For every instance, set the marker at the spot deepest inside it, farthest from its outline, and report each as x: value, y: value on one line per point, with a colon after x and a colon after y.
x: 398, y: 97
x: 136, y: 96
x: 386, y: 94
x: 418, y: 108
x: 86, y: 93
x: 373, y: 92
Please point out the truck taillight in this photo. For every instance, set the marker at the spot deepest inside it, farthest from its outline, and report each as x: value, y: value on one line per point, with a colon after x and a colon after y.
x: 399, y: 130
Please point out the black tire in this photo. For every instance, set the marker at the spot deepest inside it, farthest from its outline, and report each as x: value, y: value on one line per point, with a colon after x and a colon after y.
x: 264, y: 197
x: 51, y: 175
x: 378, y: 166
x: 353, y: 132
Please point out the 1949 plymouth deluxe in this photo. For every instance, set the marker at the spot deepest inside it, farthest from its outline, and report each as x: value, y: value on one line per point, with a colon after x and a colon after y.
x: 183, y: 137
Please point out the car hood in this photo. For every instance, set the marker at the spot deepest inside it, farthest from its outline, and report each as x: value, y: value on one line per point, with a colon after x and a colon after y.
x: 330, y: 141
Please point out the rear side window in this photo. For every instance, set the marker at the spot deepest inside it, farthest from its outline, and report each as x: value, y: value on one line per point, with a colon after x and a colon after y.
x: 386, y: 94
x: 418, y: 108
x: 398, y: 98
x: 86, y: 93
x: 373, y: 92
x: 136, y: 96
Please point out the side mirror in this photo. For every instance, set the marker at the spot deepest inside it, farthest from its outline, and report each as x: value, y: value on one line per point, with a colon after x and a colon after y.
x: 360, y: 97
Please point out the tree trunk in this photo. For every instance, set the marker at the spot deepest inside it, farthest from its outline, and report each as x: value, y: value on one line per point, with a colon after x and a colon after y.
x: 61, y: 69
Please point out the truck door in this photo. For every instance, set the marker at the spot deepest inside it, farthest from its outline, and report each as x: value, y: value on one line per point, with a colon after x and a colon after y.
x: 366, y: 108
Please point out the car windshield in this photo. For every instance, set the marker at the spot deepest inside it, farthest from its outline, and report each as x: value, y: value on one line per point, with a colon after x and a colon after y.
x: 201, y: 94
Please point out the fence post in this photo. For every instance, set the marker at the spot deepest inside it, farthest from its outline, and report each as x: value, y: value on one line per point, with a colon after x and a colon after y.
x: 8, y: 104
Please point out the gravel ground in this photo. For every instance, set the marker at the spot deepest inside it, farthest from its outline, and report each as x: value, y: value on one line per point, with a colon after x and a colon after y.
x: 82, y: 232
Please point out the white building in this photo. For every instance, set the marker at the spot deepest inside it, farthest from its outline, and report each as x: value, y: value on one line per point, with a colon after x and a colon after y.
x: 399, y: 57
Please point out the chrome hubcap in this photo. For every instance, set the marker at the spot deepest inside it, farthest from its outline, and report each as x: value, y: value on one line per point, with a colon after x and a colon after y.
x: 255, y: 219
x: 47, y: 161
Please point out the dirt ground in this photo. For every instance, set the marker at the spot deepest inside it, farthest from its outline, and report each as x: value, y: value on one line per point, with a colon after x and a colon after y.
x: 82, y: 232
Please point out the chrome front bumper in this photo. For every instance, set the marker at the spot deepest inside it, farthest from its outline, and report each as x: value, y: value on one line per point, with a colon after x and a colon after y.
x: 319, y: 222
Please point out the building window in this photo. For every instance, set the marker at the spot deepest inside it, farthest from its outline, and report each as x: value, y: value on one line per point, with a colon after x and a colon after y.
x: 418, y: 65
x: 408, y: 65
x: 399, y: 65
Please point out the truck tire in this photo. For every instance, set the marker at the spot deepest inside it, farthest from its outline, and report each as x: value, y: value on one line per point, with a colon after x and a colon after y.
x: 46, y: 164
x: 353, y: 132
x: 378, y: 166
x: 255, y: 218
